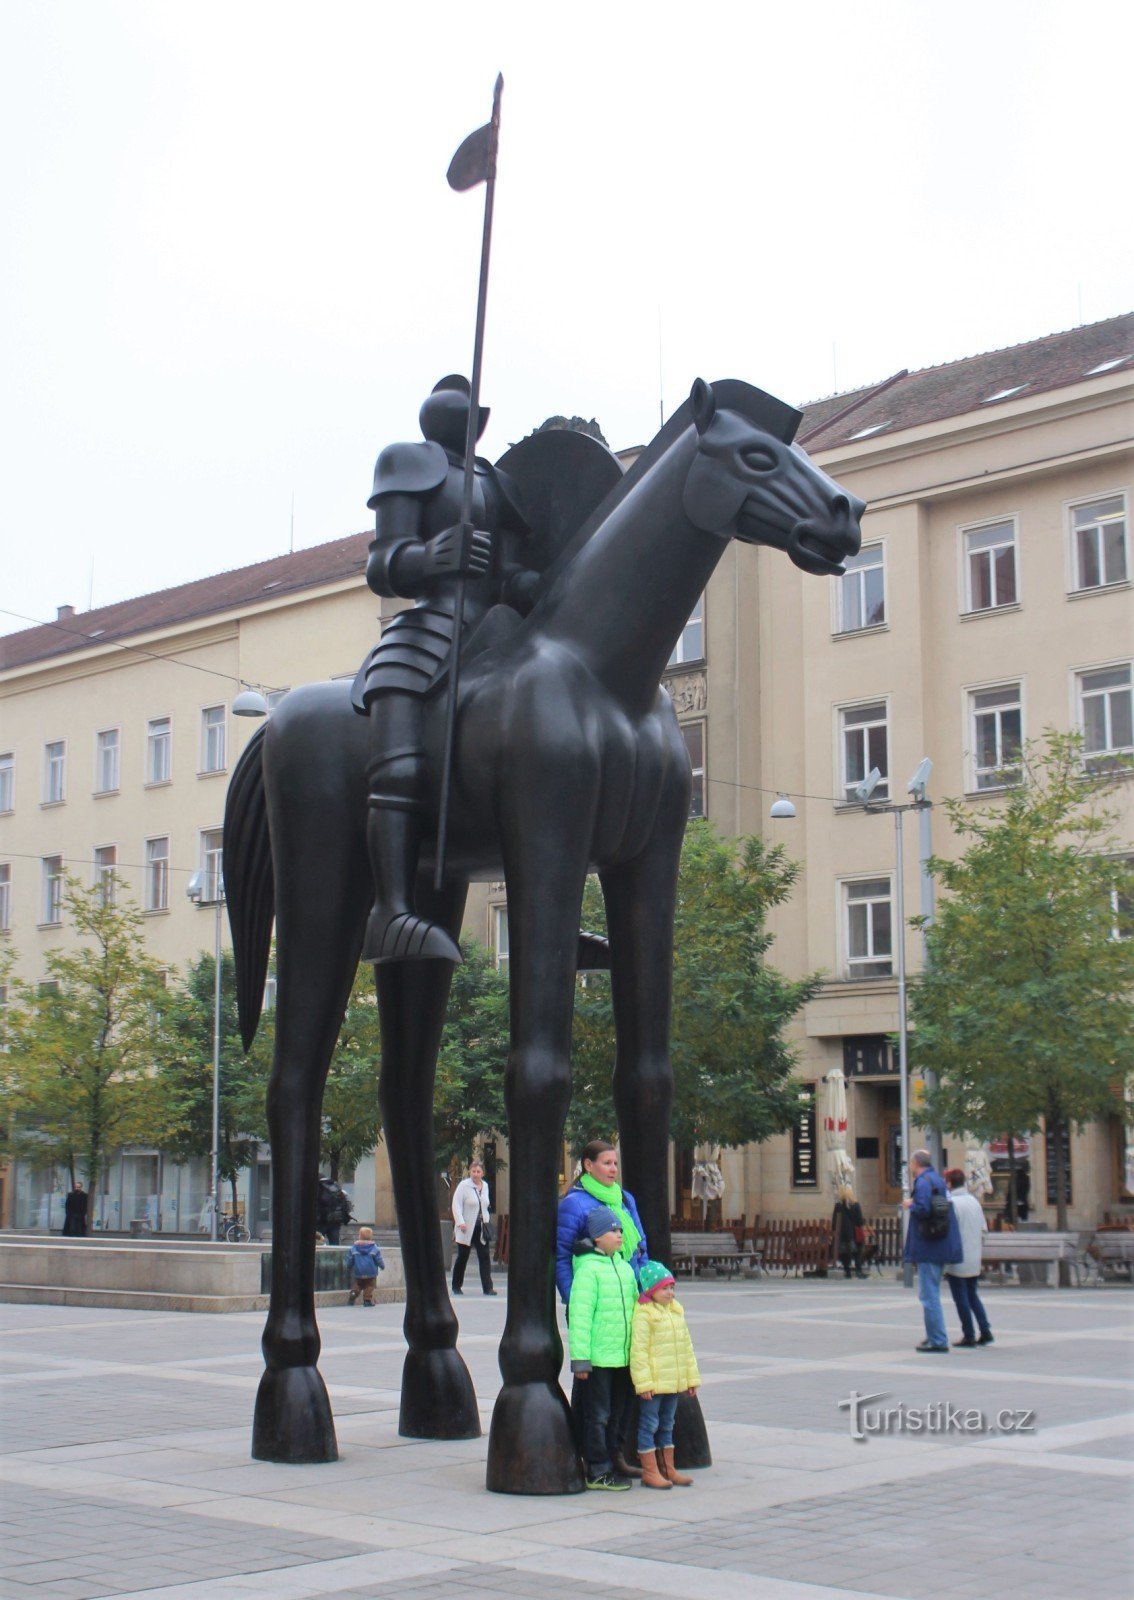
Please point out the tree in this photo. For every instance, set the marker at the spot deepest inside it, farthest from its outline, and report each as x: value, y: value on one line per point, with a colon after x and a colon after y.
x: 732, y: 1065
x: 352, y: 1120
x: 1023, y: 1011
x: 82, y: 1043
x: 185, y: 1074
x: 469, y: 1096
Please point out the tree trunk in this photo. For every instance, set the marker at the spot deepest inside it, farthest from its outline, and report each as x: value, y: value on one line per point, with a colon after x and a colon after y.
x: 1054, y: 1125
x: 1011, y: 1212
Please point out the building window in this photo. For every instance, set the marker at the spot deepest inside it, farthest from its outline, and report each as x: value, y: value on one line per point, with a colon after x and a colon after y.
x: 1105, y: 715
x: 694, y: 735
x: 7, y: 782
x: 273, y: 697
x: 868, y: 928
x: 691, y: 645
x: 861, y: 591
x: 157, y: 874
x: 864, y: 744
x: 105, y: 866
x: 212, y: 863
x: 106, y: 761
x: 1098, y: 543
x: 1121, y: 906
x: 212, y: 739
x: 804, y: 1155
x: 52, y: 890
x: 54, y: 773
x: 990, y: 566
x: 1049, y: 1164
x: 5, y: 897
x: 500, y: 935
x: 996, y: 719
x: 159, y: 750
x: 269, y: 993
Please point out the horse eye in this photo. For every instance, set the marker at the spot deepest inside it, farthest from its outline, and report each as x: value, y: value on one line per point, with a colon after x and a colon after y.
x: 758, y: 458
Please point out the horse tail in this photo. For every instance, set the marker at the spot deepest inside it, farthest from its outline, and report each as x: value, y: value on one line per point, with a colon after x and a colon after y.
x: 249, y: 881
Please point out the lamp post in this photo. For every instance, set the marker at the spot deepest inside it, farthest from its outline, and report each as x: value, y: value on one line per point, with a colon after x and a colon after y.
x: 199, y: 884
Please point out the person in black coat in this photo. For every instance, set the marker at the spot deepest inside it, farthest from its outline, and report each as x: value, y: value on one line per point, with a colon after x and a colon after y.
x: 848, y: 1231
x: 332, y: 1210
x: 75, y: 1213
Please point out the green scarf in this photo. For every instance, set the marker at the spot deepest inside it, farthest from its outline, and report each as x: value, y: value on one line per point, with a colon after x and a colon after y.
x: 610, y: 1194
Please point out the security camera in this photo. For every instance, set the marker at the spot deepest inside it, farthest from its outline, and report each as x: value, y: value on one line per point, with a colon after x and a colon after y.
x: 866, y: 788
x: 196, y: 887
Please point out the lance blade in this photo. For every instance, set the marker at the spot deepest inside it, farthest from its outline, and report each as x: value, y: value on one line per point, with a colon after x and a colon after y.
x: 474, y: 162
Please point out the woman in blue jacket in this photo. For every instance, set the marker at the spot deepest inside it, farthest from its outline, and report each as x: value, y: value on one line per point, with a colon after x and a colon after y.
x: 596, y: 1185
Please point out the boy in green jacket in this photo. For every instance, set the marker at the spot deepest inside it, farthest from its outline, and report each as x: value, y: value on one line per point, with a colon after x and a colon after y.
x: 603, y: 1294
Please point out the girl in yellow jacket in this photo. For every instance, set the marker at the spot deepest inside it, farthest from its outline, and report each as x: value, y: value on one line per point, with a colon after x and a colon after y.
x: 662, y: 1366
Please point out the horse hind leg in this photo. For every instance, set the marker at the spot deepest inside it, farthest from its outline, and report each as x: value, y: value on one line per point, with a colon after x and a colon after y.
x: 438, y: 1399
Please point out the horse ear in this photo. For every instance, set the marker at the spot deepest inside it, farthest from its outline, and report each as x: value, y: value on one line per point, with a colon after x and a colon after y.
x: 704, y: 404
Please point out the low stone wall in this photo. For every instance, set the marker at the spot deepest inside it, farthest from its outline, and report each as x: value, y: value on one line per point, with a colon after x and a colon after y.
x: 151, y: 1276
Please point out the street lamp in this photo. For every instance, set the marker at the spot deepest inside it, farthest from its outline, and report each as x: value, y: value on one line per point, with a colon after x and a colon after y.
x: 199, y: 885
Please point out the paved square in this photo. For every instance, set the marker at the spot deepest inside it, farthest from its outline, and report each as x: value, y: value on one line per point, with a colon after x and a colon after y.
x: 126, y: 1471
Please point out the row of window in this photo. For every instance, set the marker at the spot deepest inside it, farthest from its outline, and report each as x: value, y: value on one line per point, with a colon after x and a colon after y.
x: 105, y: 864
x: 1097, y: 558
x: 108, y: 758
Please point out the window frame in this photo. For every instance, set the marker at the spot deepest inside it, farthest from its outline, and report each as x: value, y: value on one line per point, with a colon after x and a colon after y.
x: 1075, y: 584
x: 501, y: 953
x: 845, y: 784
x: 968, y: 609
x: 5, y: 897
x: 54, y: 767
x: 681, y: 656
x: 839, y: 626
x: 7, y: 782
x: 157, y: 875
x: 851, y: 965
x: 211, y: 858
x: 1108, y: 753
x: 973, y: 771
x: 212, y: 734
x: 159, y: 740
x: 700, y: 778
x: 104, y: 871
x: 51, y: 891
x: 100, y: 751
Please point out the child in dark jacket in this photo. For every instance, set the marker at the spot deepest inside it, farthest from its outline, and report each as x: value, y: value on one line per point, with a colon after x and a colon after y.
x: 603, y: 1292
x: 364, y: 1259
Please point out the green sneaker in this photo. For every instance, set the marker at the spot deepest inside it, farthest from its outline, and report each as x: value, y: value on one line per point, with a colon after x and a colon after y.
x: 607, y: 1480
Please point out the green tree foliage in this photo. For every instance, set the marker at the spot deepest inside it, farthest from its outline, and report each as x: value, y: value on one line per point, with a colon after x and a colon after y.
x: 185, y: 1073
x: 469, y: 1096
x: 732, y: 1065
x: 1023, y: 1011
x: 82, y: 1043
x: 351, y: 1118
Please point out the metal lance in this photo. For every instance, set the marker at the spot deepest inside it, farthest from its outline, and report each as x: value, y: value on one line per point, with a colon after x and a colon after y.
x: 474, y: 162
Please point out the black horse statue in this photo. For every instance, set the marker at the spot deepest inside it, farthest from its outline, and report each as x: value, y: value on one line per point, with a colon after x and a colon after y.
x: 568, y: 760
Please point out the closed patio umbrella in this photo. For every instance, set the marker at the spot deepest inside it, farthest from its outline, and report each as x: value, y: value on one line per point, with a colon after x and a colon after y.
x: 840, y: 1168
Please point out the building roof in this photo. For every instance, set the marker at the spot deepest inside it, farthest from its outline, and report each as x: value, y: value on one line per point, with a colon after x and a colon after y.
x: 912, y: 399
x: 904, y: 400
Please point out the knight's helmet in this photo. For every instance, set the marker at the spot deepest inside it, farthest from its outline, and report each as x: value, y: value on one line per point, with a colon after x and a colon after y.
x: 444, y: 417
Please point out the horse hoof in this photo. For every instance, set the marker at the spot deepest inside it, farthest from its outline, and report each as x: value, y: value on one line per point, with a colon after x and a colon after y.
x: 690, y: 1436
x: 293, y: 1422
x: 531, y: 1444
x: 438, y: 1398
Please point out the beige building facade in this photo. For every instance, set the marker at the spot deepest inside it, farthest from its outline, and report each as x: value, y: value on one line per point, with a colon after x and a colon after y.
x: 992, y: 599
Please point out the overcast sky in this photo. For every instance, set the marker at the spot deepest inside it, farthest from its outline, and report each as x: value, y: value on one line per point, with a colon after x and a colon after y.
x: 233, y: 269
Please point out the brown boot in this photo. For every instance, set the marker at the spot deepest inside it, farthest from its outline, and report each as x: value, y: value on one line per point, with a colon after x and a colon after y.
x: 623, y: 1467
x: 651, y: 1477
x: 668, y: 1468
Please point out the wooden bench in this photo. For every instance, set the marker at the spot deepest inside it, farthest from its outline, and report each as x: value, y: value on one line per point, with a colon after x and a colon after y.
x: 1113, y: 1250
x: 1034, y: 1249
x: 718, y: 1250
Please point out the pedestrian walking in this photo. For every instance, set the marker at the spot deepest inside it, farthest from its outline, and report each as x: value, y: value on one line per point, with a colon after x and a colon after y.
x: 602, y: 1312
x: 662, y: 1367
x: 75, y: 1213
x: 933, y: 1241
x: 962, y: 1275
x: 364, y: 1262
x: 472, y: 1203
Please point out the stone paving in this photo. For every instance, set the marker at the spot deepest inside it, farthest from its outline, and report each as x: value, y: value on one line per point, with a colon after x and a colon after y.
x: 126, y: 1472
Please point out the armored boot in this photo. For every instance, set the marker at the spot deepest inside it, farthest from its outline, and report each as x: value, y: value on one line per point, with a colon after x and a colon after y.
x: 397, y: 824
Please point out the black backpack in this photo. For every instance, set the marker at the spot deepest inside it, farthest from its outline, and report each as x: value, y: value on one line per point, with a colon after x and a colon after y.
x: 936, y: 1225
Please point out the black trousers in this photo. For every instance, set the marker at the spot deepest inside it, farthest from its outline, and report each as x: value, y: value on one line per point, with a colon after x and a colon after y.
x: 606, y: 1397
x: 484, y: 1260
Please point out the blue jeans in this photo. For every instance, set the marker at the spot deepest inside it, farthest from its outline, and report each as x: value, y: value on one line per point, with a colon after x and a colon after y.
x: 967, y: 1302
x: 655, y: 1422
x: 929, y: 1293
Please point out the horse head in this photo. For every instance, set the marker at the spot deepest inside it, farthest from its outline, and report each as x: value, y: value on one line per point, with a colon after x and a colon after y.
x: 748, y: 484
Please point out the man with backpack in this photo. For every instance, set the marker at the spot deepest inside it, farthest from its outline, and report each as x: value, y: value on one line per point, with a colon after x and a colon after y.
x: 933, y: 1242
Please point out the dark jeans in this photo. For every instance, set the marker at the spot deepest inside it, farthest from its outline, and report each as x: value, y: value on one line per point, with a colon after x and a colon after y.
x: 967, y: 1302
x: 606, y: 1395
x: 484, y: 1261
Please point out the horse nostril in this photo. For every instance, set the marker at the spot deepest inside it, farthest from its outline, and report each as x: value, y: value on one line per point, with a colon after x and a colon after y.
x: 841, y: 508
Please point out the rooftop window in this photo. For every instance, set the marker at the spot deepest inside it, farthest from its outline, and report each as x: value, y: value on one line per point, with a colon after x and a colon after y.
x: 1003, y: 394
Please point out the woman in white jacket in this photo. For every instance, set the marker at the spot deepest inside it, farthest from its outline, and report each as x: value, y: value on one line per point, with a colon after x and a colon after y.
x: 471, y: 1206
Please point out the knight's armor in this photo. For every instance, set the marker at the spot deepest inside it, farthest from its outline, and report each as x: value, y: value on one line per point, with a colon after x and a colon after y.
x: 420, y: 551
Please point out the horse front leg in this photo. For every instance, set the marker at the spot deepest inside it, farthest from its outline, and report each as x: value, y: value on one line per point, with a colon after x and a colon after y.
x: 438, y: 1399
x: 532, y: 1448
x: 640, y: 901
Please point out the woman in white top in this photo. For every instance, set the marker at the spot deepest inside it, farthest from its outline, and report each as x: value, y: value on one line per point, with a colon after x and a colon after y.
x: 962, y: 1275
x: 471, y: 1206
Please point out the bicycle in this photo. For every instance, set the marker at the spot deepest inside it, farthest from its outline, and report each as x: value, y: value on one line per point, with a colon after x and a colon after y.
x: 232, y: 1230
